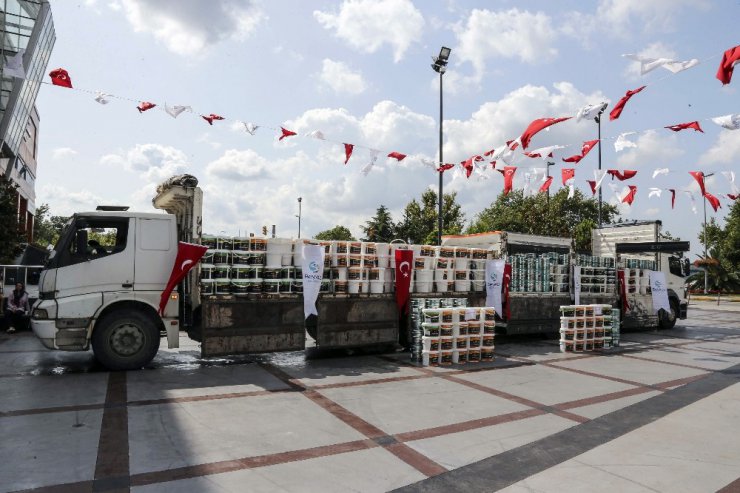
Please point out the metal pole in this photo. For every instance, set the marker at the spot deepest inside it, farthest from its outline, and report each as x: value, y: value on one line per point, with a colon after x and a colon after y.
x: 598, y: 123
x: 547, y: 169
x: 299, y: 216
x: 706, y: 278
x: 441, y: 173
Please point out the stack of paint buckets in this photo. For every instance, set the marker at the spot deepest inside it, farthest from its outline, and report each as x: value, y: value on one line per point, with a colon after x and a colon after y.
x: 417, y: 306
x: 544, y: 273
x: 457, y: 335
x: 359, y: 267
x: 598, y: 275
x: 588, y: 327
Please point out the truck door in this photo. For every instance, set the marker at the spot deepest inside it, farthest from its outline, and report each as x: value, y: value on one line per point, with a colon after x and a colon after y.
x: 97, y: 258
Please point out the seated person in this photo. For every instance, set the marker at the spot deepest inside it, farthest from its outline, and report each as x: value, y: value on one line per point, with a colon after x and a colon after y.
x: 96, y: 249
x: 18, y: 308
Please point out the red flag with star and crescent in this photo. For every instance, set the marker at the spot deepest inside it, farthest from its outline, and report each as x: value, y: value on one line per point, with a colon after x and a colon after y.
x: 536, y: 126
x: 188, y: 256
x: 60, y: 77
x: 617, y: 110
x: 404, y: 271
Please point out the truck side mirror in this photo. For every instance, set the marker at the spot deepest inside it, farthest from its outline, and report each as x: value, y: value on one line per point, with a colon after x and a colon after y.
x: 81, y: 245
x: 686, y: 267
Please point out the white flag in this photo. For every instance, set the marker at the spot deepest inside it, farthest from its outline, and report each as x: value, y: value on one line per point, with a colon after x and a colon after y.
x: 14, y: 65
x: 316, y: 134
x: 101, y: 97
x: 659, y: 290
x: 174, y: 111
x: 599, y: 175
x: 730, y: 122
x: 590, y: 111
x: 660, y: 171
x: 622, y: 143
x: 527, y: 183
x: 677, y: 67
x: 313, y: 274
x: 428, y: 162
x: 571, y: 187
x: 654, y: 192
x: 494, y: 283
x: 545, y: 152
x: 693, y: 201
x: 369, y: 166
x: 648, y: 64
x: 250, y: 128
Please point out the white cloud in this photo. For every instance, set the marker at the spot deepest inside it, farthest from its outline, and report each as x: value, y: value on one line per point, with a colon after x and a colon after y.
x: 527, y: 36
x: 367, y: 25
x: 153, y: 162
x: 206, y: 138
x: 239, y: 166
x: 725, y: 150
x: 190, y: 27
x: 653, y: 149
x: 66, y: 202
x: 63, y: 153
x: 340, y: 78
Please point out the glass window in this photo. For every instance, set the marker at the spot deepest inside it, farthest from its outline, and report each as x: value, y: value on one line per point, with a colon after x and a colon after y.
x: 94, y: 238
x: 678, y: 266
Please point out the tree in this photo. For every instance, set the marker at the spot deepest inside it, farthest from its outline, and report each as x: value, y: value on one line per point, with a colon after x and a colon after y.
x: 338, y: 233
x: 11, y: 238
x: 723, y: 254
x: 46, y: 229
x: 380, y: 228
x: 419, y: 222
x: 558, y: 216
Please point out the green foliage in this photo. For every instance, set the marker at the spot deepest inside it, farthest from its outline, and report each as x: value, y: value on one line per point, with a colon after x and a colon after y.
x: 46, y: 228
x: 419, y: 221
x: 556, y: 216
x: 338, y: 233
x: 380, y: 228
x: 723, y: 258
x: 11, y: 237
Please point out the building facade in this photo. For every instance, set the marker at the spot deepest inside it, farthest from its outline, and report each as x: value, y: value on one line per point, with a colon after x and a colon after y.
x: 27, y: 26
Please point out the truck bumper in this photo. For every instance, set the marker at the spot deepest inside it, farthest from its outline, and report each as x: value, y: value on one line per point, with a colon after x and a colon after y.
x: 46, y: 331
x: 683, y: 308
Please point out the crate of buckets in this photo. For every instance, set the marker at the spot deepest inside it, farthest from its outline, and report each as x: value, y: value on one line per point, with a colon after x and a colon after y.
x: 588, y: 327
x: 457, y: 335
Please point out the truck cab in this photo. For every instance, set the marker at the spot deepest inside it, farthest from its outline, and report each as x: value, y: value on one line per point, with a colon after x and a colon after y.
x: 102, y: 283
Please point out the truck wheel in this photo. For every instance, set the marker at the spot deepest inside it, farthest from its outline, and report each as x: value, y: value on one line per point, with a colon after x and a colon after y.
x: 125, y: 340
x: 667, y: 320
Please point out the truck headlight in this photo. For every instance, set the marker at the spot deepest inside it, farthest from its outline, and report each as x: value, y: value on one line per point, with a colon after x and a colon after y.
x: 40, y: 314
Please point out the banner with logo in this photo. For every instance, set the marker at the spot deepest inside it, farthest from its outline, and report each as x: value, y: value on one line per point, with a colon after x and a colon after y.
x: 404, y: 271
x: 660, y: 291
x: 577, y: 284
x: 494, y: 283
x: 313, y: 273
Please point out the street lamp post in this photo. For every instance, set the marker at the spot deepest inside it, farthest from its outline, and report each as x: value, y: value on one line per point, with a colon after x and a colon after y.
x: 547, y: 169
x: 598, y: 124
x: 704, y: 199
x: 300, y: 199
x: 440, y: 66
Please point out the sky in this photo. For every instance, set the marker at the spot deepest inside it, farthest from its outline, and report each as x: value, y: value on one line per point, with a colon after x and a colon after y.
x: 359, y: 72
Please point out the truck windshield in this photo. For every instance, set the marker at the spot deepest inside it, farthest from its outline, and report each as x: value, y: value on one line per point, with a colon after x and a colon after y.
x: 678, y: 266
x: 66, y: 231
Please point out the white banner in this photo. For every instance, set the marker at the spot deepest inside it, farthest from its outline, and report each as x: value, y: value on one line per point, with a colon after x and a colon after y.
x: 313, y: 274
x: 577, y: 284
x: 494, y: 283
x: 660, y: 291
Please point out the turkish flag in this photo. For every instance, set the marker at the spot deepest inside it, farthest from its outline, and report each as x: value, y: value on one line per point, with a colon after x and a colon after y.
x: 468, y: 165
x: 683, y: 126
x: 729, y: 59
x: 285, y: 133
x: 546, y: 186
x: 145, y: 105
x: 673, y: 197
x: 713, y: 201
x: 60, y: 77
x: 348, y: 148
x: 567, y: 174
x: 733, y: 196
x: 211, y: 117
x: 592, y: 184
x: 699, y: 177
x: 535, y: 127
x: 506, y: 284
x: 404, y: 271
x: 188, y: 255
x: 445, y: 167
x: 617, y: 110
x: 621, y: 175
x: 587, y: 146
x: 397, y: 155
x: 630, y: 197
x: 508, y: 173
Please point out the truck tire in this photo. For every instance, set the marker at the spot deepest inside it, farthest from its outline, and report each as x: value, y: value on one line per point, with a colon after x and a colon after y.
x: 125, y: 340
x: 667, y: 320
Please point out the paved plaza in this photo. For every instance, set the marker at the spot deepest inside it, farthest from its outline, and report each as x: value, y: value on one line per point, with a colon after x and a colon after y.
x: 659, y: 413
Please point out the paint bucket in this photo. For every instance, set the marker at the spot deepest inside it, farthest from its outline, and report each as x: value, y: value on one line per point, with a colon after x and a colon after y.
x: 430, y: 329
x: 430, y: 358
x: 462, y: 328
x: 445, y: 358
x: 355, y: 260
x: 487, y: 341
x: 430, y: 343
x: 221, y: 257
x: 446, y: 252
x: 474, y: 341
x: 369, y: 261
x: 431, y: 315
x: 473, y: 355
x: 486, y: 354
x: 353, y: 286
x: 340, y: 273
x: 256, y: 259
x: 224, y: 243
x: 206, y: 271
x: 368, y: 248
x: 340, y: 287
x: 441, y: 286
x: 258, y: 244
x: 419, y: 263
x: 287, y: 273
x: 207, y: 287
x: 240, y: 287
x: 462, y: 286
x: 222, y: 272
x: 475, y: 327
x: 446, y: 330
x: 240, y: 272
x: 209, y: 242
x: 297, y: 286
x: 241, y: 244
x: 355, y: 248
x: 461, y: 342
x: 222, y: 286
x: 460, y: 356
x: 254, y: 272
x: 269, y: 273
x: 424, y: 275
x: 240, y: 258
x: 286, y: 285
x: 207, y: 257
x: 447, y: 316
x: 443, y: 263
x: 376, y: 286
x: 446, y: 343
x: 271, y: 286
x: 381, y: 250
